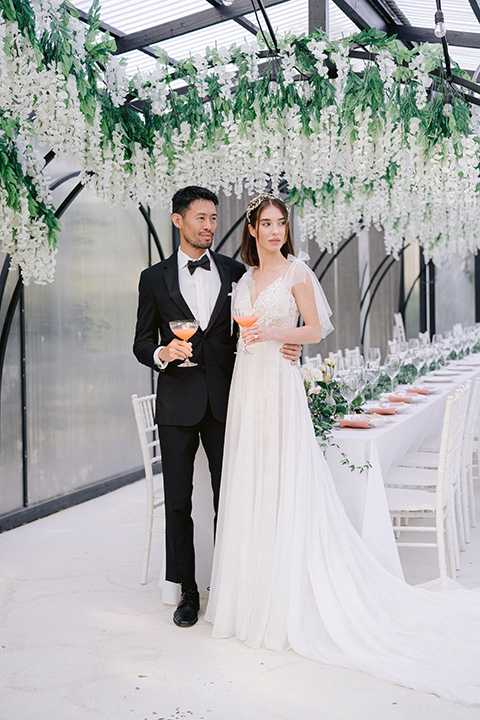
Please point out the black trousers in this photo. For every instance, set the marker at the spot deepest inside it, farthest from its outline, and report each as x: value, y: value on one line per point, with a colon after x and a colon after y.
x: 179, y: 446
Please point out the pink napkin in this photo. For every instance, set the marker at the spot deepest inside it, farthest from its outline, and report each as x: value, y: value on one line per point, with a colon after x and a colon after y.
x: 421, y: 391
x: 383, y: 410
x: 400, y: 398
x: 361, y: 422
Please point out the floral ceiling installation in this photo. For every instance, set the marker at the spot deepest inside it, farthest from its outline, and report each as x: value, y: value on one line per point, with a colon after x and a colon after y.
x: 354, y: 148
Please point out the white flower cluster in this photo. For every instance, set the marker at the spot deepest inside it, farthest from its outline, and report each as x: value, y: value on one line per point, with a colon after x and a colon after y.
x: 346, y: 167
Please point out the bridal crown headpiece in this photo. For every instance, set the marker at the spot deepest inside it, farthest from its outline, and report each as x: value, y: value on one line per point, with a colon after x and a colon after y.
x: 253, y: 205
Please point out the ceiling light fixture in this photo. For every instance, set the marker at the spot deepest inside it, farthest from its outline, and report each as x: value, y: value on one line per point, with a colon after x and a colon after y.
x: 440, y: 30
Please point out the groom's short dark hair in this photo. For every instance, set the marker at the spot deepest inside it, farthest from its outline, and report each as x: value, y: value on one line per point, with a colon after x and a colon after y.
x: 183, y: 198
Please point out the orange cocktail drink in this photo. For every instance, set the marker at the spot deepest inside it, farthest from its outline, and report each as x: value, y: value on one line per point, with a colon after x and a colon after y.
x: 184, y: 329
x: 245, y: 320
x: 184, y: 333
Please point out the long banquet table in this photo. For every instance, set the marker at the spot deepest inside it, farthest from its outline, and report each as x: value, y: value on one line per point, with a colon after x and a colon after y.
x: 362, y: 493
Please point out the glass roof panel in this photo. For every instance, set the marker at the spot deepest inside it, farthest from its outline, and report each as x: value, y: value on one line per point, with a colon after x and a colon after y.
x: 290, y: 16
x: 131, y: 16
x: 458, y: 14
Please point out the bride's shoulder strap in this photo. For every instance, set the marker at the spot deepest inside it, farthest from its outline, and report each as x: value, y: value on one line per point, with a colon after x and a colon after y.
x: 298, y: 273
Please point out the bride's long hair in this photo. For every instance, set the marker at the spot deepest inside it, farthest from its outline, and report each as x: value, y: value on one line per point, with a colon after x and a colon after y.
x: 248, y: 250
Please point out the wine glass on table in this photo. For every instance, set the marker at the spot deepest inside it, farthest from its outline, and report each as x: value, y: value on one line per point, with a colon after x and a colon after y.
x: 437, y: 344
x: 392, y: 367
x: 348, y: 384
x: 418, y: 361
x: 374, y: 355
x: 245, y: 321
x: 184, y: 329
x: 372, y: 374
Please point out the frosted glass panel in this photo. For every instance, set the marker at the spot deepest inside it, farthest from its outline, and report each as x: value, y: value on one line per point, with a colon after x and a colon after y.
x: 11, y: 472
x: 455, y: 293
x: 80, y: 367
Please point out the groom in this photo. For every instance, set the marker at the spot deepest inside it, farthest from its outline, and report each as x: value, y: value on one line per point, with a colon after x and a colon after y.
x: 191, y: 402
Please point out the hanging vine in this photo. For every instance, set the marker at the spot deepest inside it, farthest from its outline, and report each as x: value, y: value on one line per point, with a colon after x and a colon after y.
x: 358, y: 141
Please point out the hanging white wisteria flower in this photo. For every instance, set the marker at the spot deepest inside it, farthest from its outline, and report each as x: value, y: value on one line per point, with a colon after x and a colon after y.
x: 355, y: 141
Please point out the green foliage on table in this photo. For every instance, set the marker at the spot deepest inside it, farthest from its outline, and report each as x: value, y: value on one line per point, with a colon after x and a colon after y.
x: 326, y: 405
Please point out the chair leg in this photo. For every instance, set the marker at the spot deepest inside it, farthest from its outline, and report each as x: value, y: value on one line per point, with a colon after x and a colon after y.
x: 471, y: 498
x: 148, y: 543
x: 450, y: 538
x: 442, y: 557
x: 459, y: 516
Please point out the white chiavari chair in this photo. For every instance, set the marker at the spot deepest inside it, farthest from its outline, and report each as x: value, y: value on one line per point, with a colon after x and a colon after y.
x: 144, y: 409
x: 426, y: 460
x: 426, y: 512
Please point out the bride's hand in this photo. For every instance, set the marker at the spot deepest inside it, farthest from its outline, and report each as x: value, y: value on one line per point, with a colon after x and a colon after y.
x: 257, y: 333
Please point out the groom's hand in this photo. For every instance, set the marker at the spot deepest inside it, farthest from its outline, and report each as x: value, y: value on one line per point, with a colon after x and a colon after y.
x: 291, y: 352
x: 175, y: 350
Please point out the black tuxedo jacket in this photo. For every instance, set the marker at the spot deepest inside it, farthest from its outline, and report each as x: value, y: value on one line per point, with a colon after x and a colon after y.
x: 182, y: 393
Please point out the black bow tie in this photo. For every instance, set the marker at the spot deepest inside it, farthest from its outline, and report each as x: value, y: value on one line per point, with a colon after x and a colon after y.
x: 204, y: 263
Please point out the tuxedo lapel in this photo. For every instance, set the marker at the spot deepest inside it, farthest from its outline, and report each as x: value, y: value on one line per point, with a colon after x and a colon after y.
x: 225, y: 288
x: 173, y: 287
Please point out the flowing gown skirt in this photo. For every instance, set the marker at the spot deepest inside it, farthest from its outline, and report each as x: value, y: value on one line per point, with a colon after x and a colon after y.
x: 291, y: 571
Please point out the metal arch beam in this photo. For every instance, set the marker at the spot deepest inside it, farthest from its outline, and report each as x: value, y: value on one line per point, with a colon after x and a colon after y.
x: 186, y: 24
x: 152, y: 229
x: 475, y: 5
x: 336, y: 254
x: 372, y: 297
x: 230, y: 232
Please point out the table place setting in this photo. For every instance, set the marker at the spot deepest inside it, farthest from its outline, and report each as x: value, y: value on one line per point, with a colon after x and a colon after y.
x: 384, y: 408
x: 402, y: 397
x: 360, y: 421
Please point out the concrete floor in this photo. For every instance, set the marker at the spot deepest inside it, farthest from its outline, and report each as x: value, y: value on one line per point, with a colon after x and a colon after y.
x: 81, y: 639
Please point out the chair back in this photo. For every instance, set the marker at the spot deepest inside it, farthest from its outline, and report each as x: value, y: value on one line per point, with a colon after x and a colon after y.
x: 144, y: 409
x: 398, y: 328
x: 446, y: 461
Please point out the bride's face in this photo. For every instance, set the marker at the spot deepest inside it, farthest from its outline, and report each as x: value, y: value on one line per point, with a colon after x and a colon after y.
x: 271, y: 229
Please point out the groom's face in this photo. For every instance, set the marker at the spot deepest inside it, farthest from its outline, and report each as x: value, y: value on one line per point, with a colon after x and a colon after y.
x: 196, y: 226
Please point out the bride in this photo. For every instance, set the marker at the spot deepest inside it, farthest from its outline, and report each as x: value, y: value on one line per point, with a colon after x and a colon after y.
x: 289, y: 569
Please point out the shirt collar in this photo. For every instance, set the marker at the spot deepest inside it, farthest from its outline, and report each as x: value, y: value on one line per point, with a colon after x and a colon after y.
x: 183, y: 259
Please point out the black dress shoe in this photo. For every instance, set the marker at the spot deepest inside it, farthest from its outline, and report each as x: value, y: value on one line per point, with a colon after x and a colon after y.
x: 186, y: 613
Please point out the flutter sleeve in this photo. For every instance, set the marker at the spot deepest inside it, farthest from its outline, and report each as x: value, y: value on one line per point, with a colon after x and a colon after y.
x: 298, y: 273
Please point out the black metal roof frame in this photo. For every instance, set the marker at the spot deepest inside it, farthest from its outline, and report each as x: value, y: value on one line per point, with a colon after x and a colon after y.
x: 366, y: 14
x: 380, y: 14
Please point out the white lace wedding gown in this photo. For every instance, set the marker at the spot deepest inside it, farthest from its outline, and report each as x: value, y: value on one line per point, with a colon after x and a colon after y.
x: 289, y: 569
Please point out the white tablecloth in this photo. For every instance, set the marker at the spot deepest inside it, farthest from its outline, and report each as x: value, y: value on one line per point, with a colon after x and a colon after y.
x: 362, y: 493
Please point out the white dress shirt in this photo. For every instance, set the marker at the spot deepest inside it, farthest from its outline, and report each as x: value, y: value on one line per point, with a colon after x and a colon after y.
x: 200, y: 291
